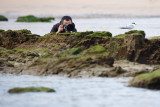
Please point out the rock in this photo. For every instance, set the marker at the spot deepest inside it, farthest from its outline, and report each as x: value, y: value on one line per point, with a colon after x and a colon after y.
x: 95, y: 49
x: 134, y: 41
x: 138, y: 49
x: 135, y: 32
x: 79, y: 54
x: 147, y: 80
x: 125, y: 68
x: 155, y: 37
x: 11, y: 39
x: 119, y: 70
x: 31, y: 18
x: 88, y: 38
x: 30, y: 89
x: 3, y: 18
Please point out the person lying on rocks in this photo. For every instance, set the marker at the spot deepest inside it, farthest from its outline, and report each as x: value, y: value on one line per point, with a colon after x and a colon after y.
x: 65, y: 25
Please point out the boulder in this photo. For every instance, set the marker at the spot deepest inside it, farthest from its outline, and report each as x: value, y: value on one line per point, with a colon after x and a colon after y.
x: 147, y: 80
x: 11, y: 39
x: 31, y: 18
x: 3, y: 18
x: 30, y: 89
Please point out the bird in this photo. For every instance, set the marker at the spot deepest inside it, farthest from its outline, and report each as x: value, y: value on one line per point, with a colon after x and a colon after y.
x: 129, y: 26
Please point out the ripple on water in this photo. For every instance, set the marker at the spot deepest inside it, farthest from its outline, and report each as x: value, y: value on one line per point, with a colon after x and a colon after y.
x: 81, y: 92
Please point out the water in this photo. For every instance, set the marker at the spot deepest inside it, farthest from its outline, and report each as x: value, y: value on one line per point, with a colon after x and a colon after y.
x: 150, y: 25
x: 82, y: 92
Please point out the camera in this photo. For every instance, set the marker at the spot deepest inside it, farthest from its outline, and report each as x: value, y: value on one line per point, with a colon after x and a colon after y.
x: 68, y: 27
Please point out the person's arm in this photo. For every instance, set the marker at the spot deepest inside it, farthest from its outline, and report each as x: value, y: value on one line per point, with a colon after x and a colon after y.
x: 60, y: 29
x: 57, y: 28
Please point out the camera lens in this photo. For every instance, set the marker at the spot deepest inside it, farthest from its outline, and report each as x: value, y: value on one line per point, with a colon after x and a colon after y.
x: 70, y: 27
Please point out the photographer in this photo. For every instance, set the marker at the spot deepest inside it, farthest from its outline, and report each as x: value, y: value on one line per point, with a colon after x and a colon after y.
x: 65, y: 25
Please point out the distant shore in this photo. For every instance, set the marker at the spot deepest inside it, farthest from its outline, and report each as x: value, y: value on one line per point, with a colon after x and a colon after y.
x: 81, y: 8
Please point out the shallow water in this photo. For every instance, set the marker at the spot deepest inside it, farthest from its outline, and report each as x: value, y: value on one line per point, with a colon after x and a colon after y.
x: 150, y: 25
x: 82, y: 92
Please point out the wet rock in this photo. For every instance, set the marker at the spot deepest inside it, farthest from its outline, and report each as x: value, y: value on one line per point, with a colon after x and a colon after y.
x: 132, y: 69
x: 88, y: 38
x: 3, y: 18
x: 138, y: 49
x: 147, y: 80
x: 79, y: 54
x: 30, y: 89
x: 31, y: 18
x: 155, y: 37
x: 119, y: 70
x: 11, y: 39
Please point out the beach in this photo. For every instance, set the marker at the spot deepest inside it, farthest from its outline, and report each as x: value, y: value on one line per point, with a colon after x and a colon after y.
x: 81, y: 8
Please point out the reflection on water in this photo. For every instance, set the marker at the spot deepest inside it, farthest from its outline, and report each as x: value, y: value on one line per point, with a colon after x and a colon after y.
x: 82, y: 92
x: 150, y: 25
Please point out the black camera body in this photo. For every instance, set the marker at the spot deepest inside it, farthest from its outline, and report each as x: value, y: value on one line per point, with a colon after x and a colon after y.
x: 68, y: 27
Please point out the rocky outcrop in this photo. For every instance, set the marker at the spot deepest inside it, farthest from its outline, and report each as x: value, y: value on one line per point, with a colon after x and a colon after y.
x: 29, y: 89
x: 12, y: 39
x: 31, y: 18
x: 78, y: 54
x: 138, y: 49
x: 3, y: 18
x: 147, y: 80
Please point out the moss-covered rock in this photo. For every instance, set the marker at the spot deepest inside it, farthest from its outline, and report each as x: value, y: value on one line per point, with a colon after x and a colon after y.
x: 96, y: 49
x: 133, y: 32
x: 155, y: 37
x: 88, y: 38
x: 75, y: 51
x: 1, y: 30
x: 3, y: 18
x: 101, y: 33
x: 17, y: 57
x: 71, y: 53
x: 147, y: 80
x: 139, y: 32
x: 13, y: 38
x: 30, y: 89
x: 31, y: 18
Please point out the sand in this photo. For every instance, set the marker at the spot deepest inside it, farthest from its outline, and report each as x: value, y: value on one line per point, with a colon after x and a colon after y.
x: 81, y: 8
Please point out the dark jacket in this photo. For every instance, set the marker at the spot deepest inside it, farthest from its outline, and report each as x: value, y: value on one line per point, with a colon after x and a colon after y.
x: 56, y: 26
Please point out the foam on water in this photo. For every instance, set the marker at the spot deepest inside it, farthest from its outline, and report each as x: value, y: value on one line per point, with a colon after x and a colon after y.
x: 82, y: 92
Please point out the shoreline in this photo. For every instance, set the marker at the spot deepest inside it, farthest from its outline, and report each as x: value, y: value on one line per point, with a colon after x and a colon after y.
x: 88, y: 16
x: 83, y: 8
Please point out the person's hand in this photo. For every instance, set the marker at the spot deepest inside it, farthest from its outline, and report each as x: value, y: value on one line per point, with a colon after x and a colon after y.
x: 60, y: 28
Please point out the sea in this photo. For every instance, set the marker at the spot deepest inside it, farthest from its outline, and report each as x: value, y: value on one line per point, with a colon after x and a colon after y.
x: 150, y: 25
x: 75, y: 92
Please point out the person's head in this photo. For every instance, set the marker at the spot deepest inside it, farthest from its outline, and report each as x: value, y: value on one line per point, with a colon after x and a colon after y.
x: 66, y: 19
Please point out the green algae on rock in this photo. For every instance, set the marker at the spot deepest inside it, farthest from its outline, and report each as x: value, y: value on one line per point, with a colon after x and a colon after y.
x: 100, y: 33
x: 73, y: 53
x: 31, y: 18
x: 13, y: 38
x: 88, y: 38
x: 147, y: 80
x: 155, y: 37
x: 3, y: 18
x: 30, y: 89
x: 137, y: 32
x: 94, y: 50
